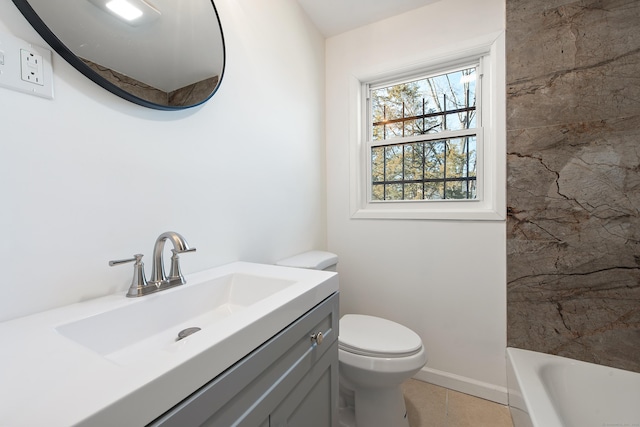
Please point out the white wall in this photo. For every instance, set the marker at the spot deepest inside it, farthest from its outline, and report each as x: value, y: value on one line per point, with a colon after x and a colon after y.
x: 88, y: 177
x: 443, y: 279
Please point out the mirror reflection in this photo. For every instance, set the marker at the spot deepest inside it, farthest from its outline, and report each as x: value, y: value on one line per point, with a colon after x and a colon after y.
x: 163, y: 54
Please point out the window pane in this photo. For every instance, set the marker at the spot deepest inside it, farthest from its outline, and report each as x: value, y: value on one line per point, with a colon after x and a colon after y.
x: 377, y: 164
x: 413, y: 191
x: 473, y: 189
x: 434, y: 160
x: 457, y: 121
x: 393, y: 130
x: 430, y: 170
x: 377, y: 192
x: 414, y: 127
x: 434, y: 190
x: 393, y: 192
x: 456, y: 189
x: 425, y: 106
x: 393, y: 163
x: 457, y: 158
x: 413, y: 161
x: 473, y: 160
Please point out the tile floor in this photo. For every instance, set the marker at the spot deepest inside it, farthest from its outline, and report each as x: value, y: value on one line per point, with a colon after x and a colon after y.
x: 431, y: 406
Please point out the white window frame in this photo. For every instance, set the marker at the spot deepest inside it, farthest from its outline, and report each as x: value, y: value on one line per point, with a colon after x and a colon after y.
x: 490, y: 203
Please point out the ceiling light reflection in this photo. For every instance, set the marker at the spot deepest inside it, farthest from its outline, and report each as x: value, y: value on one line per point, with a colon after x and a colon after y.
x: 133, y: 12
x: 124, y: 9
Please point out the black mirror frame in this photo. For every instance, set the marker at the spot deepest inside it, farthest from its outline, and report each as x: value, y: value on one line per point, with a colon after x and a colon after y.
x: 56, y: 44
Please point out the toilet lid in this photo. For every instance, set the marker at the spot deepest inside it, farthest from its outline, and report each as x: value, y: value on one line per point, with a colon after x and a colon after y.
x: 376, y: 337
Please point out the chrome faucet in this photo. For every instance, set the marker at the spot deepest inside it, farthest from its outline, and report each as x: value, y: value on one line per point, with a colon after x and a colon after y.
x: 180, y: 246
x: 159, y: 281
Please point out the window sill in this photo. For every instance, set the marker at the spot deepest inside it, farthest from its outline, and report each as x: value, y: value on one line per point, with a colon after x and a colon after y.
x: 455, y: 210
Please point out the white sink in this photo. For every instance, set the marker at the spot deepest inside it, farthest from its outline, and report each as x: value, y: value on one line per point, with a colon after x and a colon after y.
x: 115, y: 360
x: 128, y: 334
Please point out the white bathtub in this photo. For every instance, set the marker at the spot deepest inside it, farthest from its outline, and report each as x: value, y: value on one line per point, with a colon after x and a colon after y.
x: 553, y: 391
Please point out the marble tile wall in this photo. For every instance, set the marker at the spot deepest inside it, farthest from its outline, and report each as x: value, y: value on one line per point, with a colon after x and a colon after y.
x: 573, y: 142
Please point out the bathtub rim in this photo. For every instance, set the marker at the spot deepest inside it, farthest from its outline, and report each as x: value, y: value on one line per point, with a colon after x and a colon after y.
x: 523, y: 367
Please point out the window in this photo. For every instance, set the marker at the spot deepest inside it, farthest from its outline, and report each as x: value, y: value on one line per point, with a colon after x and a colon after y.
x: 441, y: 110
x: 428, y: 140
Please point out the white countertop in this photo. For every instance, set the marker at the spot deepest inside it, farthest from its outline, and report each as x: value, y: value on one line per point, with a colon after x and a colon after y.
x: 47, y: 379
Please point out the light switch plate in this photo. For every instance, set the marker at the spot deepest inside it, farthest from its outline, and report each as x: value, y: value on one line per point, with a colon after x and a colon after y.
x: 25, y: 67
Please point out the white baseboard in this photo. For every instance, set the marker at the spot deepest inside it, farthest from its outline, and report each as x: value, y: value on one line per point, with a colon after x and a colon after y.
x: 465, y: 385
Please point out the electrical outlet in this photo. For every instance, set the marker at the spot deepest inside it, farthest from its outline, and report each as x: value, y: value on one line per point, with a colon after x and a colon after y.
x: 25, y: 67
x: 31, y: 66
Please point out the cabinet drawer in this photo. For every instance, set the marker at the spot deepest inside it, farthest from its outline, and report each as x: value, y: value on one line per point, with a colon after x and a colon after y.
x: 246, y: 393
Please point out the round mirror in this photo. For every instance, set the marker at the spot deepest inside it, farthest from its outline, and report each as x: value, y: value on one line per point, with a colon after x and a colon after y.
x: 162, y: 54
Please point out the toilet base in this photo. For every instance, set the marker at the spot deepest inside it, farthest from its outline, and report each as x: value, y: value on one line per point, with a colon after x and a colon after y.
x: 346, y: 417
x: 373, y: 407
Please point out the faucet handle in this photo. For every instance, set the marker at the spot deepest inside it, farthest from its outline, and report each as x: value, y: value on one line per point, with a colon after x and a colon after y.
x: 139, y: 281
x: 183, y: 251
x: 137, y: 258
x: 175, y: 275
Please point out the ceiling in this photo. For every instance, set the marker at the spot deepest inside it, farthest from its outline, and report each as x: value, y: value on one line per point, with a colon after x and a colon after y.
x: 333, y: 17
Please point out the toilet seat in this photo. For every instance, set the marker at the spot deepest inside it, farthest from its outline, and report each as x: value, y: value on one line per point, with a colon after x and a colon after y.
x: 376, y: 337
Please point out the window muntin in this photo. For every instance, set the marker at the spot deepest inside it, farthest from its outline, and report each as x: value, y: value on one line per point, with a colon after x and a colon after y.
x: 432, y: 122
x: 425, y: 170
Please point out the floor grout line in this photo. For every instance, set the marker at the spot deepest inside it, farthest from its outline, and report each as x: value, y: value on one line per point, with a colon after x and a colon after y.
x: 446, y: 407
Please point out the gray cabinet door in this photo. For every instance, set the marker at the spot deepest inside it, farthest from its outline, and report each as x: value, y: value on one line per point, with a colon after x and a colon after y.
x: 313, y: 402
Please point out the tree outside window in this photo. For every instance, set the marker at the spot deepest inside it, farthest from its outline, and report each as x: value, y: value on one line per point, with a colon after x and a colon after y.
x: 424, y: 144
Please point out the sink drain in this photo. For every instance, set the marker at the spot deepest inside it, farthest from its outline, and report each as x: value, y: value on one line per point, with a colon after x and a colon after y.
x: 186, y: 332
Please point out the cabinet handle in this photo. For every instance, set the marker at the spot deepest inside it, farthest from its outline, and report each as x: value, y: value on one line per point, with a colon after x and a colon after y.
x: 317, y: 338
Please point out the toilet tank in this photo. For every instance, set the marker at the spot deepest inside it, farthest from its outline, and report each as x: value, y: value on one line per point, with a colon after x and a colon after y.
x: 315, y: 260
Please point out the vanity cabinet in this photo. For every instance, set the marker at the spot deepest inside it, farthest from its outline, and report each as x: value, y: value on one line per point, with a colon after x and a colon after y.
x: 290, y: 380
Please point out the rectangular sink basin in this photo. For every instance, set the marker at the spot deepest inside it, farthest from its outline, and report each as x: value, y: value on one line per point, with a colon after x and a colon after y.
x: 151, y: 323
x: 115, y: 360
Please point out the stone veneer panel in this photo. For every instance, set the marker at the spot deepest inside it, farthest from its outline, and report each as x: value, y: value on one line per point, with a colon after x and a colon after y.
x: 573, y: 142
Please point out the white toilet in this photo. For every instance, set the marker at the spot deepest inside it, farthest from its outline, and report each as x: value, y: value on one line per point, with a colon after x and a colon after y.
x: 375, y: 357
